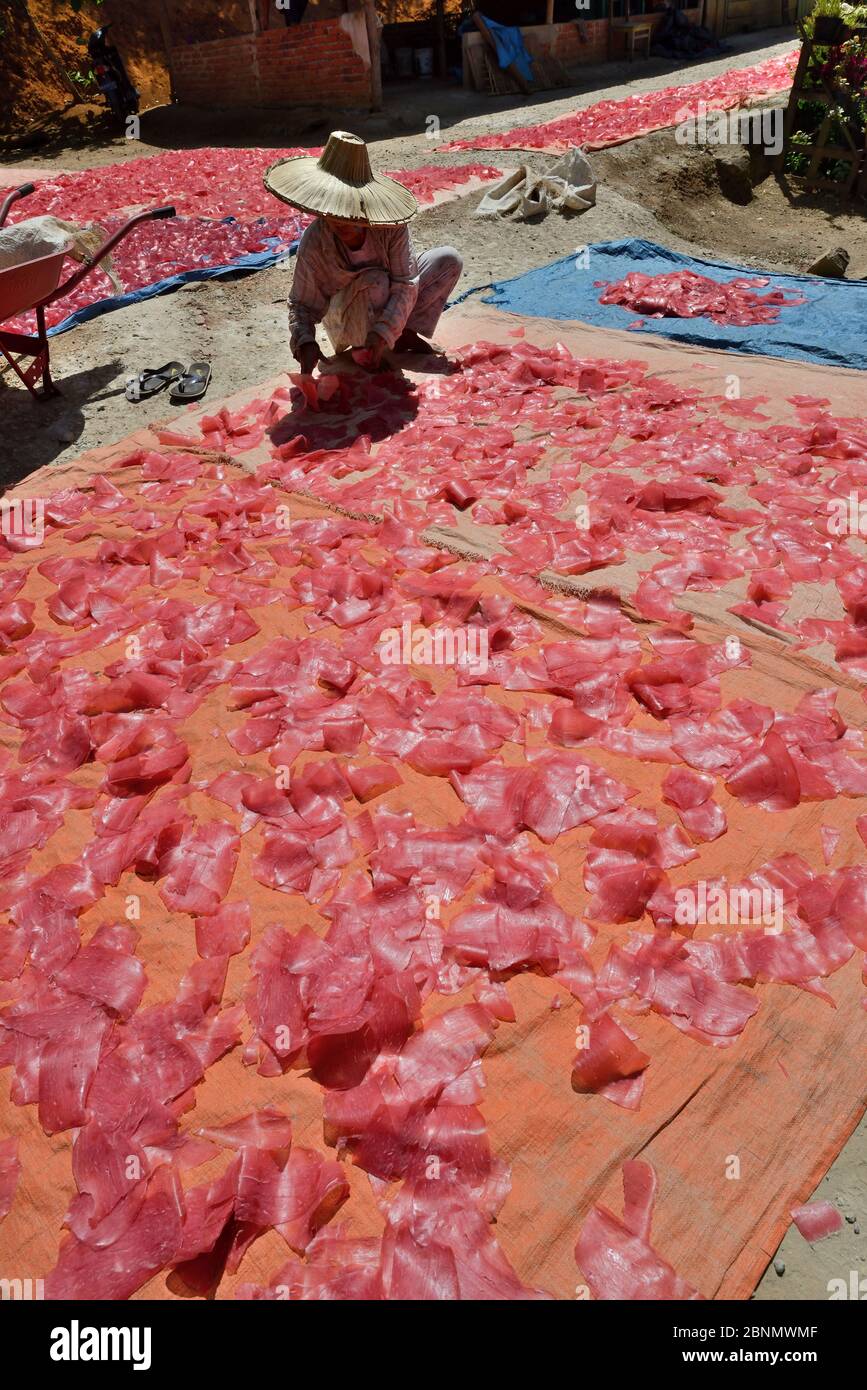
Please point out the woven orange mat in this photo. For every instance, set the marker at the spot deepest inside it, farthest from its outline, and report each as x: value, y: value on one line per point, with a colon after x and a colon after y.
x: 782, y: 1099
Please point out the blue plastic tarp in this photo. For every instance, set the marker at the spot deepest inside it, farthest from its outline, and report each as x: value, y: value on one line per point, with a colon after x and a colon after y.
x: 511, y: 48
x: 830, y: 327
x: 257, y: 260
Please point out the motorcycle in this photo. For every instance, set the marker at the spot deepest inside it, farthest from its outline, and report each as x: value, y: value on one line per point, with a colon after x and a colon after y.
x: 111, y: 75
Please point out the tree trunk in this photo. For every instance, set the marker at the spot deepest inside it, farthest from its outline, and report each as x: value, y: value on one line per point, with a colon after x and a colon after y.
x: 166, y: 31
x: 441, y: 37
x: 373, y: 42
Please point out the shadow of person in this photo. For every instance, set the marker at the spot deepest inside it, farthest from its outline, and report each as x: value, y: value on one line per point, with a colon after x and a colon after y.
x: 35, y: 432
x: 361, y: 403
x: 425, y: 363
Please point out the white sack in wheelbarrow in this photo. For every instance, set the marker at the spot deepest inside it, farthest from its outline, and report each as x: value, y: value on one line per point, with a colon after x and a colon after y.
x: 43, y: 236
x: 522, y: 194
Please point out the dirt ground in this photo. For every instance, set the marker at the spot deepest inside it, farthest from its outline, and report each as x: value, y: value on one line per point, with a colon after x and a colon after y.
x: 651, y: 187
x: 807, y: 1269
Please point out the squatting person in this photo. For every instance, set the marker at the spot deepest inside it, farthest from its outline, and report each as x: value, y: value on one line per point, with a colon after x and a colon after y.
x: 356, y: 272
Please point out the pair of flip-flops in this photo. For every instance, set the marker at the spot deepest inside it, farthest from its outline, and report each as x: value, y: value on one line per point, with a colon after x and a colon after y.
x: 188, y: 384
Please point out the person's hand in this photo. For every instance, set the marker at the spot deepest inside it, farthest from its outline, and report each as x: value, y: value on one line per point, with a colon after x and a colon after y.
x: 375, y: 345
x: 308, y: 355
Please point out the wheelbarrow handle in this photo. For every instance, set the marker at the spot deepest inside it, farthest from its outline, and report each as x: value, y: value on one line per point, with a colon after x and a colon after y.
x: 23, y: 192
x: 105, y: 250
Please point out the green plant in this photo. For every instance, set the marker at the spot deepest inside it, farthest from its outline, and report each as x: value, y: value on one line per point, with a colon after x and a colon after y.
x: 844, y: 71
x: 854, y: 16
x: 84, y: 79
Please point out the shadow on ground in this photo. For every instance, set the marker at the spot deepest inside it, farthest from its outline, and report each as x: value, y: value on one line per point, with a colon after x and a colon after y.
x: 35, y: 432
x: 406, y: 109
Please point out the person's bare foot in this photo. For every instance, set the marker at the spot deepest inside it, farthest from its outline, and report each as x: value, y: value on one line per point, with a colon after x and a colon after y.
x: 411, y: 342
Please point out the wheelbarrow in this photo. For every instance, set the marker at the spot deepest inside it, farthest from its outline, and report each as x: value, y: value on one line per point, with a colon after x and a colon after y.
x: 35, y: 285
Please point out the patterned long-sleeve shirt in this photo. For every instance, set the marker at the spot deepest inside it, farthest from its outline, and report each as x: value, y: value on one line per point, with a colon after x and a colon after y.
x: 324, y: 265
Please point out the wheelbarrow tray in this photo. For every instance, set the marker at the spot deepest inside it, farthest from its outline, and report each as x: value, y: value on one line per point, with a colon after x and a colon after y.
x: 22, y: 288
x: 34, y: 285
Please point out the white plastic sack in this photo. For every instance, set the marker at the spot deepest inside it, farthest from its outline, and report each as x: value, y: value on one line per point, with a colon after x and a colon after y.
x: 524, y: 194
x: 44, y: 236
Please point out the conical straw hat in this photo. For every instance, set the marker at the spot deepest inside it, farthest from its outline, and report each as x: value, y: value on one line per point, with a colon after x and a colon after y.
x: 341, y: 183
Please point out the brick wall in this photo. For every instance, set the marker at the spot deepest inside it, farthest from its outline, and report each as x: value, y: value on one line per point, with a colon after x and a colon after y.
x: 310, y: 64
x: 566, y: 43
x: 563, y: 41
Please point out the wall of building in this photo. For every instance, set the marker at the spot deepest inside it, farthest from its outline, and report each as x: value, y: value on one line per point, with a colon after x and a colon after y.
x: 737, y: 16
x: 309, y: 64
x: 575, y: 43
